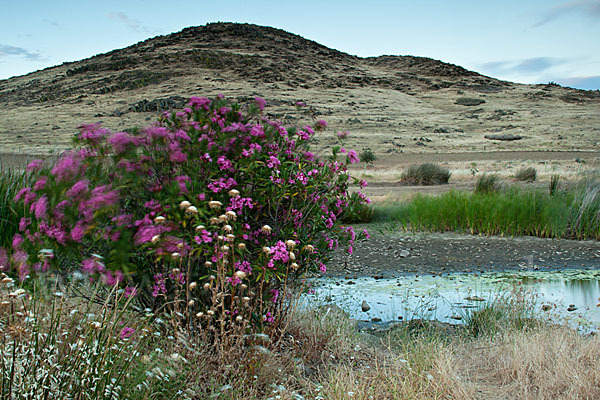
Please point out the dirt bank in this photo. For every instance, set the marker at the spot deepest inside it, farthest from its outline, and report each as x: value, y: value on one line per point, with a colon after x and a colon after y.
x: 388, y: 254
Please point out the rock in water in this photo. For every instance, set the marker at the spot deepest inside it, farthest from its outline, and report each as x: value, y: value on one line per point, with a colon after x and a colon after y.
x: 365, y: 306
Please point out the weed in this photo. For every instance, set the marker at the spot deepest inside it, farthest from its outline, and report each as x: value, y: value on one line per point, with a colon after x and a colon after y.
x: 487, y: 183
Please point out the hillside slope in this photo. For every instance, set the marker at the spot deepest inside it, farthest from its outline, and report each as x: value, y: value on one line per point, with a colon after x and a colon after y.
x: 391, y: 104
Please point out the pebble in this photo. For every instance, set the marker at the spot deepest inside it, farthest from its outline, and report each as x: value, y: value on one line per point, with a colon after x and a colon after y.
x: 365, y: 306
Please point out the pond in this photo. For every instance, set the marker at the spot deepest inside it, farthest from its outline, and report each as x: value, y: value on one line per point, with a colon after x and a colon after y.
x: 568, y: 295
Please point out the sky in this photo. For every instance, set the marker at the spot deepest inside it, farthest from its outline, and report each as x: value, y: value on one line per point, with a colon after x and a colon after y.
x: 525, y: 41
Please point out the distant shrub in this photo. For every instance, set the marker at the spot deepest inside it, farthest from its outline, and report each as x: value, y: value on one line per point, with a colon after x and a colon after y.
x: 426, y: 174
x: 526, y: 174
x: 487, y: 183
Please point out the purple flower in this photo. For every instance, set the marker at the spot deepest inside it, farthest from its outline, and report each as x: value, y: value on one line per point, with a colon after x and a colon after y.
x: 199, y: 102
x: 17, y: 241
x: 130, y: 291
x: 273, y: 162
x: 243, y: 266
x: 81, y: 187
x: 40, y: 183
x: 121, y: 141
x: 353, y: 157
x: 67, y: 167
x: 343, y: 134
x: 126, y: 332
x: 34, y: 165
x: 260, y: 103
x: 24, y: 223
x: 321, y: 125
x: 145, y: 233
x: 322, y: 267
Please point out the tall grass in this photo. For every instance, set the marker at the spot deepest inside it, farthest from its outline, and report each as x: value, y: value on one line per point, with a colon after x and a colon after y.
x: 513, y: 212
x: 10, y: 213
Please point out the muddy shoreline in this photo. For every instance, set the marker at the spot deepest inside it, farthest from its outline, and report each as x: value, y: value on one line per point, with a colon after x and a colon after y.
x: 388, y: 254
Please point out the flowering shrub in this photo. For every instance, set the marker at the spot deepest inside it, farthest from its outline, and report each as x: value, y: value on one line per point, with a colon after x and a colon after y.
x: 209, y: 205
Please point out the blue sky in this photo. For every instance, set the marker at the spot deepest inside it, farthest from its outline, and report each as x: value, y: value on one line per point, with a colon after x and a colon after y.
x: 527, y: 41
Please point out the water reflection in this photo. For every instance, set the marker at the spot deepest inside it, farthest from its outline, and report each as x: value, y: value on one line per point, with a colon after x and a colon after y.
x: 447, y: 298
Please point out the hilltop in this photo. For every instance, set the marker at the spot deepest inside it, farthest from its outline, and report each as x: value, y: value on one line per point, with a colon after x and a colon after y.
x: 391, y: 104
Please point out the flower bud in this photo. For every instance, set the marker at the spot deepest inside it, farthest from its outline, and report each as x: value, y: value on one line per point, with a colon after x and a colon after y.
x: 184, y: 204
x: 234, y: 193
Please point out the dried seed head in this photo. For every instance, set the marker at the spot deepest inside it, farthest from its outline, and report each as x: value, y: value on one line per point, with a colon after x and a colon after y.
x: 200, y: 314
x: 214, y: 204
x: 214, y: 221
x: 212, y: 277
x: 266, y: 229
x: 184, y: 204
x: 200, y: 228
x: 175, y: 271
x: 266, y: 250
x: 292, y: 256
x: 245, y: 299
x: 206, y: 286
x: 180, y: 245
x: 208, y: 264
x: 234, y: 193
x: 17, y: 293
x: 239, y: 319
x: 191, y: 303
x: 7, y: 280
x: 290, y: 244
x: 223, y: 218
x: 191, y: 210
x: 227, y: 228
x: 159, y: 220
x: 155, y: 239
x: 310, y: 247
x: 225, y: 248
x: 230, y: 237
x: 295, y: 266
x: 231, y: 215
x: 175, y: 255
x: 193, y: 285
x: 96, y: 324
x: 210, y: 312
x: 244, y: 286
x: 242, y: 246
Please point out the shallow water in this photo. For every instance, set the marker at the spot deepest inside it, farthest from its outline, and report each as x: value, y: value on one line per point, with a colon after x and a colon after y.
x: 449, y: 298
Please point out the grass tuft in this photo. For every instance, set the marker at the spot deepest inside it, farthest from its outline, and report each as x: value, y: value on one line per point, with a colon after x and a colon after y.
x: 426, y: 174
x: 526, y: 174
x: 487, y: 183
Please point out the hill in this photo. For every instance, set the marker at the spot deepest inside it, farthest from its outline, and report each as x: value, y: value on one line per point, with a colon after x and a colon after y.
x: 391, y: 104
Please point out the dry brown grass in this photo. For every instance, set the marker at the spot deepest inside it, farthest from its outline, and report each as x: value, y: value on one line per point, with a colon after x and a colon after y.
x: 548, y: 363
